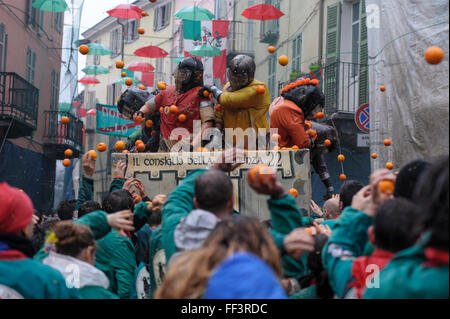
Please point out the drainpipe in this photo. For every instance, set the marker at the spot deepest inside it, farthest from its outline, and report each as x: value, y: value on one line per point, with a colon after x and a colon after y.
x: 321, y: 13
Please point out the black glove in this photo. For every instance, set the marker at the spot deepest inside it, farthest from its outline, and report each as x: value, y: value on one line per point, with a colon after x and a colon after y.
x: 329, y: 194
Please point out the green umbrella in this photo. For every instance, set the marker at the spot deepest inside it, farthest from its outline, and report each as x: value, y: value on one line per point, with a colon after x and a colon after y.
x: 122, y: 81
x: 65, y: 107
x: 95, y: 70
x: 178, y: 59
x: 51, y: 5
x: 205, y: 50
x: 194, y: 14
x: 98, y: 49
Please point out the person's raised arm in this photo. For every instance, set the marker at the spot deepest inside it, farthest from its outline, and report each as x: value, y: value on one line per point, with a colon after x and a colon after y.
x: 86, y: 190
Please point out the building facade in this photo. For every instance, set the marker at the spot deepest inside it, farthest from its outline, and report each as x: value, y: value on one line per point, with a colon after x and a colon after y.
x: 30, y: 63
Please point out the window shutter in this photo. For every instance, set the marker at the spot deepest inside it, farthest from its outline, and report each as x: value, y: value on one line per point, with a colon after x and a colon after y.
x: 332, y: 55
x: 363, y: 57
x: 155, y: 19
x: 167, y: 14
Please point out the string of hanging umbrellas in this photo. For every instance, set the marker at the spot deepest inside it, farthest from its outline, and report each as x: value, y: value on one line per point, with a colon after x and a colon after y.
x: 130, y: 11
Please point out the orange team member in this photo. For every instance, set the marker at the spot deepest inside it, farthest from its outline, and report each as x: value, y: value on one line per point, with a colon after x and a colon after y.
x: 182, y: 104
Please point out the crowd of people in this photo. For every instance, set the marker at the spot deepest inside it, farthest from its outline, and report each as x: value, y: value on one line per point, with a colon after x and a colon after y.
x: 365, y: 242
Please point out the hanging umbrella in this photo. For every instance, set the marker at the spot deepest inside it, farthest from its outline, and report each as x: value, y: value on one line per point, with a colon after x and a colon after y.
x: 262, y: 12
x: 205, y: 50
x: 141, y: 67
x: 194, y: 14
x: 98, y: 49
x: 151, y: 52
x: 92, y: 112
x: 89, y: 80
x: 126, y: 11
x: 50, y: 5
x: 95, y: 69
x: 178, y: 59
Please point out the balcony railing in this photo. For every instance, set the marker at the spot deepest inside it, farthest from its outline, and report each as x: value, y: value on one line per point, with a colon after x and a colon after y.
x: 270, y: 31
x: 59, y: 137
x: 240, y: 37
x: 19, y: 101
x: 345, y: 87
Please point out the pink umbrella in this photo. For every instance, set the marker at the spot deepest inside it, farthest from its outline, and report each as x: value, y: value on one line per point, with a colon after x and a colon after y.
x: 89, y: 80
x: 92, y: 112
x: 126, y: 11
x: 262, y: 12
x: 141, y: 67
x: 151, y: 52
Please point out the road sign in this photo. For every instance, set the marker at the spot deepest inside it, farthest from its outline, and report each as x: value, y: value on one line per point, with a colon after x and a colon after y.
x: 362, y: 118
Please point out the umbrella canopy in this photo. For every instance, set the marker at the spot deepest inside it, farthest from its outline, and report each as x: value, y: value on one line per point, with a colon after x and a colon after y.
x: 262, y: 12
x: 50, y: 5
x: 126, y: 11
x: 194, y: 14
x: 89, y: 80
x: 95, y: 69
x: 141, y: 67
x: 205, y: 50
x: 122, y: 82
x: 151, y: 52
x: 92, y: 112
x: 98, y: 49
x: 178, y: 59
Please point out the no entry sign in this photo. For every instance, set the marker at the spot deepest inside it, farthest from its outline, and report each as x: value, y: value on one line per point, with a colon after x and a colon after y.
x: 362, y: 118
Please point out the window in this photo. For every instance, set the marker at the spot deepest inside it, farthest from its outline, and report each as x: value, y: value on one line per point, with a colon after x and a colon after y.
x: 162, y: 17
x: 115, y: 42
x: 270, y: 28
x: 40, y: 24
x: 297, y: 54
x: 2, y: 46
x: 54, y: 90
x: 355, y: 38
x: 159, y: 71
x: 31, y: 14
x: 131, y: 33
x: 57, y: 21
x: 272, y: 79
x: 113, y: 92
x: 31, y: 65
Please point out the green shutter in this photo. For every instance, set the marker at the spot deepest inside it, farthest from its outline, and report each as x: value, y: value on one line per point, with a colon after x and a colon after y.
x: 332, y: 56
x: 363, y: 58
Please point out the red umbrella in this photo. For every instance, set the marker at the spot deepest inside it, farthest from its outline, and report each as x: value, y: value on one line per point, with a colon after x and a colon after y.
x: 126, y: 11
x: 141, y: 67
x: 262, y: 12
x: 89, y: 80
x: 151, y: 52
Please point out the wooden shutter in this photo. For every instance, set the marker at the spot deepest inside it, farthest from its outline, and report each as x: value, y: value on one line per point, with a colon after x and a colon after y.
x: 167, y: 14
x: 155, y: 18
x: 332, y: 55
x: 363, y: 57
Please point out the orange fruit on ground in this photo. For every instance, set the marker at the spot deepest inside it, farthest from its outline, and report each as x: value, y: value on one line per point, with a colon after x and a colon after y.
x: 182, y: 117
x: 387, y: 142
x: 295, y: 147
x: 283, y: 60
x: 149, y: 123
x: 389, y: 165
x: 260, y: 90
x: 161, y: 85
x: 319, y: 115
x: 386, y: 186
x: 218, y: 108
x: 293, y: 192
x: 434, y: 55
x: 125, y: 151
x: 374, y: 155
x: 66, y: 162
x: 341, y: 158
x: 173, y: 109
x: 312, y: 132
x: 124, y: 74
x: 137, y: 199
x: 120, y: 146
x: 92, y: 155
x: 129, y: 82
x: 382, y: 88
x: 327, y: 143
x: 141, y: 30
x: 271, y: 49
x: 101, y: 147
x: 308, y: 123
x: 342, y: 177
x: 140, y: 147
x: 84, y: 49
x: 65, y: 120
x: 68, y: 153
x: 285, y: 148
x: 142, y: 87
x: 138, y: 142
x: 120, y: 64
x: 275, y: 137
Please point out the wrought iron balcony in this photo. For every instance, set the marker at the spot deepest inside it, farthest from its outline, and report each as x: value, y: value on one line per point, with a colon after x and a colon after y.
x: 19, y: 101
x: 59, y: 137
x: 270, y: 31
x: 345, y: 87
x: 241, y: 39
